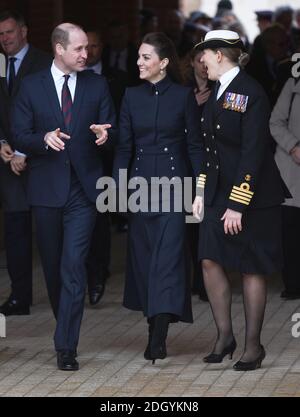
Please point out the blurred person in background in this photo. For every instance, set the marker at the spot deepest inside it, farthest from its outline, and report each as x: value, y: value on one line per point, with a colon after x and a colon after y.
x: 265, y: 61
x: 285, y: 129
x: 148, y: 21
x: 195, y: 76
x: 223, y: 6
x: 98, y: 259
x: 264, y: 19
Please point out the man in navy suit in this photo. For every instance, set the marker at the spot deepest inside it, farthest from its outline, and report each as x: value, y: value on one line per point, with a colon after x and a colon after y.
x: 22, y: 59
x: 56, y: 116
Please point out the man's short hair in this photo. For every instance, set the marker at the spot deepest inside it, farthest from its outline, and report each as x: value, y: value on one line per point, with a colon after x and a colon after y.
x: 61, y: 34
x: 11, y: 14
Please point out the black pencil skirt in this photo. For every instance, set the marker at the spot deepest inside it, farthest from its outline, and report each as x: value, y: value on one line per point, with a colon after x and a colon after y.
x: 257, y: 249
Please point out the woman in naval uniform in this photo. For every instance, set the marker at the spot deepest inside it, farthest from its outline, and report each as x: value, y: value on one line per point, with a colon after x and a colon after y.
x: 243, y: 191
x: 159, y: 131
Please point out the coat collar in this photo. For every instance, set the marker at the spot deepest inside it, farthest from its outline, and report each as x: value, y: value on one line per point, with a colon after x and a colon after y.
x: 161, y: 86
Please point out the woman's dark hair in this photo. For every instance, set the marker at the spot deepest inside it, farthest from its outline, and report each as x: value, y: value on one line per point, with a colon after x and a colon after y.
x: 235, y: 55
x: 165, y: 48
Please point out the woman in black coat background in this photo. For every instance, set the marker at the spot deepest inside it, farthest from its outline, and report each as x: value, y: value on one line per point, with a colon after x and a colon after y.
x: 243, y: 191
x: 159, y: 131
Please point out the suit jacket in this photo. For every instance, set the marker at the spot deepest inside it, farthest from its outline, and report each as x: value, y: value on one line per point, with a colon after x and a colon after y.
x: 239, y: 171
x: 35, y: 60
x: 159, y: 130
x: 37, y: 111
x: 12, y: 187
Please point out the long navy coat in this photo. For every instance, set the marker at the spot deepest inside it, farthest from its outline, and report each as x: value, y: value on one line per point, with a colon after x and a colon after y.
x: 159, y: 130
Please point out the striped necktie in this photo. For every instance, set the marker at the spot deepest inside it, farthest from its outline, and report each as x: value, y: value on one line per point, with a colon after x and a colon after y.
x: 66, y: 103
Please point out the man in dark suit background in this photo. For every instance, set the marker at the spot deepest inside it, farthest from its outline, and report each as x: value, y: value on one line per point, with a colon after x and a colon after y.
x: 22, y: 59
x: 55, y: 118
x: 99, y: 254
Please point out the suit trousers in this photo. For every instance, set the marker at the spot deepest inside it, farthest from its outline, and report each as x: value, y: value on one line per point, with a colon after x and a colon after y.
x: 99, y: 254
x: 63, y: 236
x: 18, y: 246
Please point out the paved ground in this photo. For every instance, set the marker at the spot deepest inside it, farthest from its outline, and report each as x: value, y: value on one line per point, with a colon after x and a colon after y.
x: 113, y: 340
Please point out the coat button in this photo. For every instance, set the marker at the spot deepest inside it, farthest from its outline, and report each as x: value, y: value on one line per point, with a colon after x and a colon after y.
x: 215, y: 152
x: 218, y: 127
x: 217, y: 166
x: 172, y: 168
x: 202, y: 119
x: 213, y: 136
x: 204, y: 134
x: 166, y: 149
x: 185, y: 130
x: 156, y: 92
x: 207, y: 149
x: 141, y: 150
x: 138, y: 158
x: 136, y: 169
x: 207, y: 164
x: 171, y: 158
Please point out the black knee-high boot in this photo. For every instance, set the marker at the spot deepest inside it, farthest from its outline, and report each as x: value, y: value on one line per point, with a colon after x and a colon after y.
x: 147, y: 353
x: 158, y: 348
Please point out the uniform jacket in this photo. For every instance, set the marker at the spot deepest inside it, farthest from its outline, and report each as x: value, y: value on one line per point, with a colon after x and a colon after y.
x: 285, y: 129
x: 239, y: 170
x: 37, y: 111
x: 159, y: 127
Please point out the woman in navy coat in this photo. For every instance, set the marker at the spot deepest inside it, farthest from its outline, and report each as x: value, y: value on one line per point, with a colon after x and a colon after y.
x: 243, y: 191
x: 159, y: 131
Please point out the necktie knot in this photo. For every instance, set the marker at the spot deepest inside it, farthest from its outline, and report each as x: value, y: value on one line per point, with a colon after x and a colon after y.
x: 12, y: 59
x: 66, y: 77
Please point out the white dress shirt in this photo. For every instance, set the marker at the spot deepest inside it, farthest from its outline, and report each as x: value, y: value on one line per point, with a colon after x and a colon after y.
x: 226, y: 79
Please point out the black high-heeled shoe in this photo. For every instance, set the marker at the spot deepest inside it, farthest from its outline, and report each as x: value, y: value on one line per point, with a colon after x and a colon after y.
x: 218, y: 357
x: 147, y: 353
x: 251, y: 366
x: 158, y: 348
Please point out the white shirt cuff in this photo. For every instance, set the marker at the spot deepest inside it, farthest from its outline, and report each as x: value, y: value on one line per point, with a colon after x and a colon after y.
x: 17, y: 153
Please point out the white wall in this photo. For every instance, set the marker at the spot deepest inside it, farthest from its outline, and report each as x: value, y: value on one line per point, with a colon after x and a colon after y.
x: 244, y: 9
